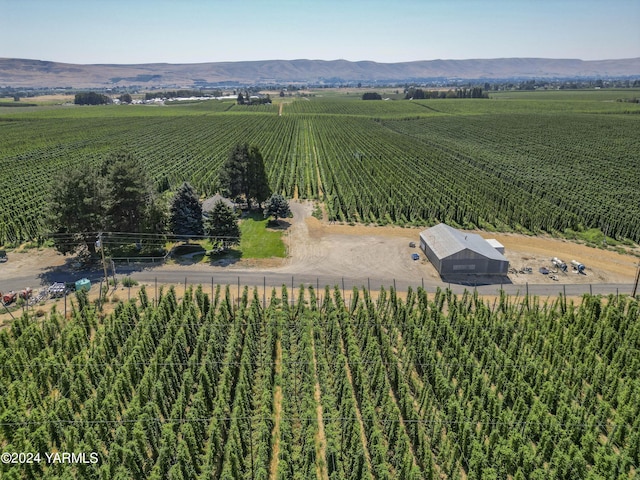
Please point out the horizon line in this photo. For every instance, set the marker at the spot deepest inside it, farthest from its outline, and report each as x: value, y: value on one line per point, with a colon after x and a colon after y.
x: 322, y: 60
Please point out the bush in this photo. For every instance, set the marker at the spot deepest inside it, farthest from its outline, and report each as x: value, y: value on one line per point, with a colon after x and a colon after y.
x: 317, y: 212
x: 129, y: 282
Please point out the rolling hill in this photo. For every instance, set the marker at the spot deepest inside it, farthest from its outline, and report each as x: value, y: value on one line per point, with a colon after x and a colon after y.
x: 25, y: 73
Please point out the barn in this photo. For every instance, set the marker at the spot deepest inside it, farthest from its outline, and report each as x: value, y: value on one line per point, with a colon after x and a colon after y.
x: 453, y: 252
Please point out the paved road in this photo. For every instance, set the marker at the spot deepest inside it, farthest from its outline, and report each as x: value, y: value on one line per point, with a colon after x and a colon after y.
x: 270, y: 279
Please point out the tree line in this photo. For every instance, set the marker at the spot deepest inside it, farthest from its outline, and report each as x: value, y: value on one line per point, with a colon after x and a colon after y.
x: 371, y: 96
x: 420, y: 94
x: 119, y: 196
x: 92, y: 98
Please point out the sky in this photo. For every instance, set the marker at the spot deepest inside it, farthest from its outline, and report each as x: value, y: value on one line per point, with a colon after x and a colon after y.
x: 194, y: 31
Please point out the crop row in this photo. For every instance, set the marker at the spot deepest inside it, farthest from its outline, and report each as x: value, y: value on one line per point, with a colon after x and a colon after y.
x: 316, y: 387
x: 523, y: 171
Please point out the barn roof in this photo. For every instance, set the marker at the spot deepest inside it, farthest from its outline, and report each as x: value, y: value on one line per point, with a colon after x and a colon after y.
x: 445, y: 241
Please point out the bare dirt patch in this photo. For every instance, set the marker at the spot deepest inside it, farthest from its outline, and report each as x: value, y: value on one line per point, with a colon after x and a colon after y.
x: 320, y: 248
x: 602, y: 266
x: 361, y: 251
x: 22, y: 263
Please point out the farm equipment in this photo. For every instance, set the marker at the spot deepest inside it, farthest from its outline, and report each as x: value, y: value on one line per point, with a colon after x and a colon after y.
x: 26, y: 293
x: 57, y: 290
x: 9, y: 298
x: 41, y: 296
x: 578, y: 267
x: 559, y: 263
x: 83, y: 284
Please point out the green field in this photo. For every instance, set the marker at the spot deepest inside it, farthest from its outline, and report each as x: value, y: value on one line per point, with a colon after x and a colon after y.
x: 259, y: 241
x: 551, y: 161
x: 431, y: 387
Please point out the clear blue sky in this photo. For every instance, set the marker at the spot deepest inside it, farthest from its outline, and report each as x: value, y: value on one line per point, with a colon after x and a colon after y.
x: 187, y: 31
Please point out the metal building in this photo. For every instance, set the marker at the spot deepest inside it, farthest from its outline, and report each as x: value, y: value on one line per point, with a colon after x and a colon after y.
x: 453, y: 252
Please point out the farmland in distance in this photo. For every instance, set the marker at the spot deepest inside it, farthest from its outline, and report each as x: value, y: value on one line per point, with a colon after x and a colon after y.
x: 530, y: 162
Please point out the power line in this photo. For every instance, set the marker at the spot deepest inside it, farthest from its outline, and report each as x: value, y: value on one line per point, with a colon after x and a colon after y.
x: 309, y: 419
x: 238, y: 364
x: 133, y: 235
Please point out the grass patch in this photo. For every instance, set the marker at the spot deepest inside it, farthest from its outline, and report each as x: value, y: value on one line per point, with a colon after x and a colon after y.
x: 258, y: 241
x: 592, y: 236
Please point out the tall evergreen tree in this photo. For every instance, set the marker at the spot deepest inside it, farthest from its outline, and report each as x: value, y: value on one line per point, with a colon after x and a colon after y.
x: 129, y: 192
x: 223, y: 222
x: 115, y: 197
x: 233, y: 176
x: 243, y: 174
x: 185, y: 212
x: 258, y: 187
x: 76, y: 209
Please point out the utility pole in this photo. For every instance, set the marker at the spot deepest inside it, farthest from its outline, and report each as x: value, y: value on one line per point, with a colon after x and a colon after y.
x: 113, y: 271
x: 635, y: 285
x: 100, y: 245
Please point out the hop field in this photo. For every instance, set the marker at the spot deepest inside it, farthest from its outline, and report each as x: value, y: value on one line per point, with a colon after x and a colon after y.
x: 313, y: 386
x: 533, y: 162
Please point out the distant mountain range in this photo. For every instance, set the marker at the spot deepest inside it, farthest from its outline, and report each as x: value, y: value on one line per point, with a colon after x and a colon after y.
x: 36, y: 73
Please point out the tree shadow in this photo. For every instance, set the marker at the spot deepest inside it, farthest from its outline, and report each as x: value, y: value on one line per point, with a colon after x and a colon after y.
x: 279, y: 224
x: 71, y: 271
x: 225, y: 258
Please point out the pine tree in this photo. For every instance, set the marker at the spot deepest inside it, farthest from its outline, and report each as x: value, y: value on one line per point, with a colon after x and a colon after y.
x: 258, y: 187
x: 128, y: 191
x: 223, y: 222
x: 233, y: 175
x: 243, y: 174
x: 185, y: 213
x: 277, y: 206
x: 76, y: 209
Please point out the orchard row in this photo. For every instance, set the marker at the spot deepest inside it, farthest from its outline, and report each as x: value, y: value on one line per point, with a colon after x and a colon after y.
x: 492, y: 165
x: 313, y: 385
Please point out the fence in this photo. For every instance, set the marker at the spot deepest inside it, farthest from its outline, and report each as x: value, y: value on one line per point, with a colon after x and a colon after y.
x: 346, y: 285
